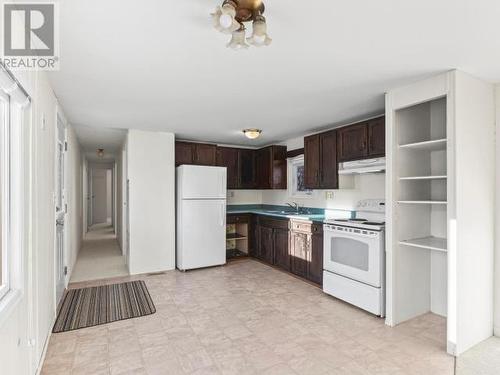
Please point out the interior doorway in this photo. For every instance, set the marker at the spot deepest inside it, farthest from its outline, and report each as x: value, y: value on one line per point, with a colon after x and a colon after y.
x: 102, y: 195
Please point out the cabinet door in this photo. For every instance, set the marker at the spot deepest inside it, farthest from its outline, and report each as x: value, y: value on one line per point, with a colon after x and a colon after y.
x: 299, y: 242
x: 183, y: 153
x: 279, y: 168
x: 205, y: 154
x: 254, y: 237
x: 281, y: 254
x: 228, y: 157
x: 329, y: 171
x: 246, y: 169
x: 352, y: 142
x: 315, y: 273
x: 266, y: 244
x: 376, y: 137
x: 312, y: 161
x: 263, y: 168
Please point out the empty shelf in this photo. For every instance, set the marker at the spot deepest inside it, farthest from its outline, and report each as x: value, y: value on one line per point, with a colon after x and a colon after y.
x: 423, y: 202
x: 235, y: 236
x: 431, y: 243
x: 409, y: 178
x: 438, y: 144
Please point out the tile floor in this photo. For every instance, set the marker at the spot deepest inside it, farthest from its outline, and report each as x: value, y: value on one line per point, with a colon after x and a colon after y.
x: 248, y: 318
x: 100, y: 256
x: 483, y: 359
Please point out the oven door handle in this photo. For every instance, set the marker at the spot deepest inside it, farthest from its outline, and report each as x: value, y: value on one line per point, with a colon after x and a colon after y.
x: 350, y: 235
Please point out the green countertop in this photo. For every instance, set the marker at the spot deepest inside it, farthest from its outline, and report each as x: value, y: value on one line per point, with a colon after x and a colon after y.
x: 310, y: 214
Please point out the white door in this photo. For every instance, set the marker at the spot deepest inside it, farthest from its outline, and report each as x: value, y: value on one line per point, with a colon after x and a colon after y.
x: 351, y: 253
x: 198, y: 182
x: 99, y: 196
x: 60, y: 210
x: 203, y: 234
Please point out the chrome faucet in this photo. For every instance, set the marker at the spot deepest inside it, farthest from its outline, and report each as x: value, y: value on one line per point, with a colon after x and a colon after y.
x: 295, y: 206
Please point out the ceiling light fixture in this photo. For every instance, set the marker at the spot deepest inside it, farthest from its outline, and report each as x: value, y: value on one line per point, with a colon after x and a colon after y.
x: 230, y: 18
x: 252, y: 133
x: 100, y: 153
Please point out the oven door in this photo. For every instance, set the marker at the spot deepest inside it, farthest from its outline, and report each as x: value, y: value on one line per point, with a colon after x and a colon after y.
x: 354, y: 253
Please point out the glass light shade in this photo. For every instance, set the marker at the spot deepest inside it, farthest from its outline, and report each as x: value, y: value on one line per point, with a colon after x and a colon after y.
x: 252, y: 133
x: 224, y: 19
x: 238, y: 40
x: 259, y: 36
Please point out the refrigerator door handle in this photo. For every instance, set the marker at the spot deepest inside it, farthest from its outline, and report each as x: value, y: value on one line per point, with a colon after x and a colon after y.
x: 222, y: 216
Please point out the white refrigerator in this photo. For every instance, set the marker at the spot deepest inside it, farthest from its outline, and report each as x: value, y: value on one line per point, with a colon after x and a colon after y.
x: 201, y: 216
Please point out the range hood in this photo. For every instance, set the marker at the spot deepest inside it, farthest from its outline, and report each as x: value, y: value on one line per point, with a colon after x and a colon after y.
x: 363, y: 166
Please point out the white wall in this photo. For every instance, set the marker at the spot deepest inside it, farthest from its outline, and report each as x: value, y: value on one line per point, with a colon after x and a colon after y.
x: 119, y: 198
x: 497, y: 218
x: 244, y: 197
x: 151, y: 172
x: 364, y: 187
x: 474, y: 193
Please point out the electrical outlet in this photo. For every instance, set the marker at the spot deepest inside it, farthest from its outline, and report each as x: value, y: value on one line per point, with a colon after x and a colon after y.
x: 230, y: 194
x: 329, y: 195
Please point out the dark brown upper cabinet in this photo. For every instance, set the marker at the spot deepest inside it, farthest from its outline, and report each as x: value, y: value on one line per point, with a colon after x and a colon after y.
x: 361, y: 141
x: 353, y: 142
x: 195, y: 153
x: 184, y: 152
x: 376, y: 137
x: 320, y: 161
x: 228, y: 157
x: 271, y: 167
x: 205, y: 154
x: 246, y: 167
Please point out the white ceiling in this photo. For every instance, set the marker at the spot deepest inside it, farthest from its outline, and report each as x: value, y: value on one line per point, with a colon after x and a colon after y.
x: 159, y: 64
x: 93, y: 138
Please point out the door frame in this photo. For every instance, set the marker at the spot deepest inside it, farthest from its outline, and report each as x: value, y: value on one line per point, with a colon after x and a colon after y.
x: 61, y: 213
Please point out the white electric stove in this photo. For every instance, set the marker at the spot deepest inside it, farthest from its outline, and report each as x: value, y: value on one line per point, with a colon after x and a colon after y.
x: 354, y: 257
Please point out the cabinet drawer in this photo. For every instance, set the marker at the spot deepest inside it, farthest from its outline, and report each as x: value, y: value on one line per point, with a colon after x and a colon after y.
x: 273, y: 223
x: 306, y: 227
x: 238, y: 218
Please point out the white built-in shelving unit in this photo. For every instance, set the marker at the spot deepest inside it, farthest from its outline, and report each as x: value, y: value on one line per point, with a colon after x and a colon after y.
x: 439, y: 139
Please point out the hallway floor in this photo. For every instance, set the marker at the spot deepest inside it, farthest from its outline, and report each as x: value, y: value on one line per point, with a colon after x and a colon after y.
x: 483, y: 359
x: 247, y: 318
x: 100, y: 256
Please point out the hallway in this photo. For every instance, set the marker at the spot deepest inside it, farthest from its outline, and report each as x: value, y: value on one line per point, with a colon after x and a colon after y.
x: 100, y: 256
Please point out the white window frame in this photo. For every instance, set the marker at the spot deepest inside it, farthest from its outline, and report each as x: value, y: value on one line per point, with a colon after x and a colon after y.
x: 293, y: 192
x: 14, y: 166
x: 5, y: 186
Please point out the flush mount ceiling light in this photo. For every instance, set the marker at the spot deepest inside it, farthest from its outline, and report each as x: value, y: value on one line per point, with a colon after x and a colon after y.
x: 252, y: 133
x: 230, y: 18
x: 100, y: 153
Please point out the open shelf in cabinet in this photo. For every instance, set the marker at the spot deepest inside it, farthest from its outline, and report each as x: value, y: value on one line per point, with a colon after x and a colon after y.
x: 432, y: 145
x: 430, y: 243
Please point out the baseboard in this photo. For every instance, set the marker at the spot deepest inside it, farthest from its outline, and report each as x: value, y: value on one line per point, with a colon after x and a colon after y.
x: 45, y: 347
x: 496, y: 331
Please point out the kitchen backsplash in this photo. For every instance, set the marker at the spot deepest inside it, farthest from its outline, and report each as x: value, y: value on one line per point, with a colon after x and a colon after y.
x: 364, y: 187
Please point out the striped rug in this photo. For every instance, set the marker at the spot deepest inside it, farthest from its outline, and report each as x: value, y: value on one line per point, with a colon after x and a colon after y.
x: 89, y: 307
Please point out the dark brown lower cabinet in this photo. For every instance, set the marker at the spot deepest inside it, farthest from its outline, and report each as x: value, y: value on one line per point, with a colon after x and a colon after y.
x: 299, y: 244
x: 281, y: 253
x: 292, y: 245
x: 306, y: 250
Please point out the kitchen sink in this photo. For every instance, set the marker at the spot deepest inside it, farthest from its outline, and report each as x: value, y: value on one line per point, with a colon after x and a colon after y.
x: 283, y: 212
